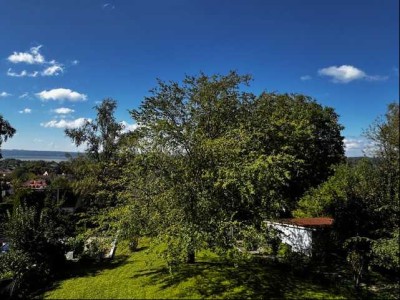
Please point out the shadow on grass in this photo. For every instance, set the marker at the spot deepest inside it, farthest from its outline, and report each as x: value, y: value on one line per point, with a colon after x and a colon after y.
x: 85, y: 268
x: 253, y: 279
x: 91, y: 268
x: 139, y: 249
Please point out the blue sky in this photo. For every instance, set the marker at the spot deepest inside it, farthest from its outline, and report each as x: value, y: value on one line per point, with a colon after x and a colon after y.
x: 58, y: 58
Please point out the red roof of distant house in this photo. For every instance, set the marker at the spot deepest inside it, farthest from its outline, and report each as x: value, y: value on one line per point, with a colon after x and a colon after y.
x: 308, y: 222
x: 36, y: 184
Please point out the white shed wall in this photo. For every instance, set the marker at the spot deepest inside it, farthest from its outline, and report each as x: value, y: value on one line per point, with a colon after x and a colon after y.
x: 299, y: 238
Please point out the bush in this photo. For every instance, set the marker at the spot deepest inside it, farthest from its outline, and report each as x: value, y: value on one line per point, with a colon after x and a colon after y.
x: 386, y: 253
x: 133, y: 243
x: 284, y: 250
x: 252, y: 239
x: 27, y: 273
x: 298, y: 262
x: 36, y: 251
x: 273, y: 241
x: 96, y: 248
x: 358, y: 257
x: 76, y: 244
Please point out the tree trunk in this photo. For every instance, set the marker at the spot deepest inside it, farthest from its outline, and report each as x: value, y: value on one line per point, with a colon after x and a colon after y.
x: 191, y: 259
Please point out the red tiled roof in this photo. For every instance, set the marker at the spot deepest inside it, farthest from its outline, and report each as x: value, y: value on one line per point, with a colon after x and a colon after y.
x: 309, y: 222
x: 36, y: 184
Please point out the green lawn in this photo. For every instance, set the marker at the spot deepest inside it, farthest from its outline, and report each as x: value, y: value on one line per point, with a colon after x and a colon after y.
x: 143, y: 275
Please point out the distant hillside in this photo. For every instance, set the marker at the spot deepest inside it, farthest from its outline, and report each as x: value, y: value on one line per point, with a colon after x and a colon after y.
x: 354, y: 160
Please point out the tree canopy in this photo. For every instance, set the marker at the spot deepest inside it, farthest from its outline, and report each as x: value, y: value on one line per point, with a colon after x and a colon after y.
x: 101, y: 135
x: 364, y: 197
x: 218, y: 155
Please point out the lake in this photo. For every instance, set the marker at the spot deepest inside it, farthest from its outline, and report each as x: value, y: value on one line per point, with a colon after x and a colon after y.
x: 56, y: 156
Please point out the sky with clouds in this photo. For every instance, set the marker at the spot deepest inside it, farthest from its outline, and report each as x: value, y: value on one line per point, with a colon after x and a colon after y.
x: 58, y: 59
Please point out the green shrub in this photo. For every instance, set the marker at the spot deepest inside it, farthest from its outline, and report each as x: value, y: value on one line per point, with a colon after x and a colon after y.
x: 133, y: 243
x: 96, y: 248
x: 284, y: 250
x: 252, y: 238
x: 386, y: 253
x: 36, y: 251
x: 76, y: 244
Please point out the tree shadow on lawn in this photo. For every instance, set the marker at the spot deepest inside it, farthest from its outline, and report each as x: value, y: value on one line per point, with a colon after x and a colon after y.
x: 85, y: 269
x: 247, y: 280
x: 138, y: 249
x: 91, y: 268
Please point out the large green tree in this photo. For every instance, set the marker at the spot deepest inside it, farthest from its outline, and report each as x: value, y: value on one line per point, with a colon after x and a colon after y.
x: 100, y: 137
x: 222, y: 155
x: 364, y: 197
x: 384, y: 135
x: 95, y: 172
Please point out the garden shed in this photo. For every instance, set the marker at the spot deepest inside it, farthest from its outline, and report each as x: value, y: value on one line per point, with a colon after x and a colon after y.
x: 302, y: 234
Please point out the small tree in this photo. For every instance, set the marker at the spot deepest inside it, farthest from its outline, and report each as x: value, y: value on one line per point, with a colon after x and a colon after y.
x: 100, y: 136
x: 36, y: 251
x: 6, y: 131
x: 358, y: 256
x: 96, y: 175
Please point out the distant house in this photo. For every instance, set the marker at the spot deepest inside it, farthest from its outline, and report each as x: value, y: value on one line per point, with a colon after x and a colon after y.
x: 5, y: 172
x: 38, y: 185
x: 303, y: 234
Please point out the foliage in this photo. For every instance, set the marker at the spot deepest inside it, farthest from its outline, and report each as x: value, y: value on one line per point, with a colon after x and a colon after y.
x: 207, y: 153
x: 273, y: 240
x: 101, y: 135
x: 358, y: 255
x: 36, y: 251
x: 76, y: 244
x: 252, y: 238
x: 384, y: 134
x: 27, y: 273
x: 352, y: 197
x: 363, y: 198
x: 95, y: 248
x: 6, y: 131
x: 96, y: 174
x: 386, y: 253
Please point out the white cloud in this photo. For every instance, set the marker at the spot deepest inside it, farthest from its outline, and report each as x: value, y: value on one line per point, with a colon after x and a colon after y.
x: 351, y: 144
x: 343, y: 73
x: 63, y: 110
x: 128, y: 127
x: 25, y: 111
x: 347, y: 73
x: 53, y: 70
x: 376, y: 78
x: 61, y: 94
x: 75, y: 62
x: 4, y: 94
x: 66, y: 123
x: 108, y: 6
x: 396, y: 71
x: 23, y: 73
x: 357, y: 146
x: 305, y: 77
x: 33, y: 56
x: 24, y: 95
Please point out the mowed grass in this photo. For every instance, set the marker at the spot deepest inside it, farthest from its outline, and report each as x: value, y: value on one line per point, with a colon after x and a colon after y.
x: 143, y: 274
